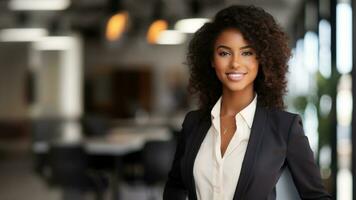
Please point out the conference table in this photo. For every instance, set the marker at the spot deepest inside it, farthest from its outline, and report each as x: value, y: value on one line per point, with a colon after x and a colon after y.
x: 118, y: 142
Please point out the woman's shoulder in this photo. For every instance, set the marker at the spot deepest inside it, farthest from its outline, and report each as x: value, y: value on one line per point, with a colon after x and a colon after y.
x: 283, y: 113
x: 282, y: 122
x: 195, y: 115
x: 282, y: 117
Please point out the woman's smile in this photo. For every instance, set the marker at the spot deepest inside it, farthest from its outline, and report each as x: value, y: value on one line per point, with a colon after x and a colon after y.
x: 235, y: 76
x: 235, y: 62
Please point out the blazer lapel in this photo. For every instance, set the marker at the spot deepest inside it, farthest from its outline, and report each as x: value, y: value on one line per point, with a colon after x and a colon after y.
x: 199, y: 133
x: 254, y: 142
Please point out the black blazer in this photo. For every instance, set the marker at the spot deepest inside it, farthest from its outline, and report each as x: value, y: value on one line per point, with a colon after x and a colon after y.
x: 276, y: 141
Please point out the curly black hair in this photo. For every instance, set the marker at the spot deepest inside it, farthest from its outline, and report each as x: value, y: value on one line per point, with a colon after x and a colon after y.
x: 265, y: 36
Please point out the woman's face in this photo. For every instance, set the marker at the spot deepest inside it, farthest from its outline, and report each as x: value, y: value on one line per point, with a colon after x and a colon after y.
x: 234, y: 61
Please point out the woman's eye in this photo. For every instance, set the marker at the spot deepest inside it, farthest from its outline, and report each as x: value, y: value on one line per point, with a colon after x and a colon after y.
x: 223, y: 53
x: 247, y: 53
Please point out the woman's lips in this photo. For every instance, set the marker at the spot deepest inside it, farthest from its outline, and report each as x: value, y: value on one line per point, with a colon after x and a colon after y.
x: 235, y: 76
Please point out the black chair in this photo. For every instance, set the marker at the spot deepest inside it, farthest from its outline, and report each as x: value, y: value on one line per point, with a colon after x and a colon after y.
x: 132, y: 168
x: 46, y: 129
x: 43, y: 131
x: 70, y: 171
x: 157, y: 157
x: 95, y: 125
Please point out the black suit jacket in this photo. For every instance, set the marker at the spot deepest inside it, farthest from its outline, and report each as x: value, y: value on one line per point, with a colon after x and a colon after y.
x: 276, y: 141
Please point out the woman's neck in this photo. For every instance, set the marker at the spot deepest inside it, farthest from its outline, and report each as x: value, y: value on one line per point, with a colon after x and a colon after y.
x: 233, y: 102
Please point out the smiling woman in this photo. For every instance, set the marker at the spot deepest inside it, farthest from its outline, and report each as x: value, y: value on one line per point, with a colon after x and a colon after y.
x: 239, y: 142
x: 235, y: 62
x: 268, y: 42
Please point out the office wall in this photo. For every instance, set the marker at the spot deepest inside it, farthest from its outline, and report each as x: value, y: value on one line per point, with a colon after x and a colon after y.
x: 162, y: 59
x: 14, y: 62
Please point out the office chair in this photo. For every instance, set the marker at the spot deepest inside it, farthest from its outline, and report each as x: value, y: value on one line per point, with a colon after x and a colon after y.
x: 43, y: 131
x: 157, y: 160
x: 70, y: 171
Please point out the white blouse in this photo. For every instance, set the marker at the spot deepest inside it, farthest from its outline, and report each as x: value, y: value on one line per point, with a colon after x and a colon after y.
x: 216, y: 177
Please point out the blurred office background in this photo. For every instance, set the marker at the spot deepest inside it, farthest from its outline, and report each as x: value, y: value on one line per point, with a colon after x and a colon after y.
x: 93, y: 92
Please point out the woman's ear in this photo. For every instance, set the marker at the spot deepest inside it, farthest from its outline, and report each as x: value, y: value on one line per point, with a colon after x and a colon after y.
x: 212, y: 64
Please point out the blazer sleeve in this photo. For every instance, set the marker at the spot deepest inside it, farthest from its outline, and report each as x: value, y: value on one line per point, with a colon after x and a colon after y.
x: 175, y: 188
x: 300, y: 161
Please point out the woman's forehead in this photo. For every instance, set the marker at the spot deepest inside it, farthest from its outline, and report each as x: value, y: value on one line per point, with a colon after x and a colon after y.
x: 231, y: 38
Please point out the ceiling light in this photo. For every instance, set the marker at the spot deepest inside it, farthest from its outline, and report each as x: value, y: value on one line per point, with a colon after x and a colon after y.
x: 155, y: 29
x: 38, y: 4
x: 54, y: 43
x: 190, y: 25
x: 116, y: 26
x: 22, y: 34
x: 171, y: 37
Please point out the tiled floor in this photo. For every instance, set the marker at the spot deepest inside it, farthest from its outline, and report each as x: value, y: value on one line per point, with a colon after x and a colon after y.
x: 19, y: 182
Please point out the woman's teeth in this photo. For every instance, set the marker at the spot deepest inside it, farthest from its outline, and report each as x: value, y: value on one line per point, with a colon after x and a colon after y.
x: 235, y: 76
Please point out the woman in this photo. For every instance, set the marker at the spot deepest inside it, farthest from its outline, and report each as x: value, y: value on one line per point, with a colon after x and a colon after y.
x: 240, y: 140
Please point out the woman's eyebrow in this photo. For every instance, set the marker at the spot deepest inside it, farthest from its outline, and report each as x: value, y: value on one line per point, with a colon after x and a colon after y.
x: 223, y: 46
x: 241, y: 48
x: 246, y: 47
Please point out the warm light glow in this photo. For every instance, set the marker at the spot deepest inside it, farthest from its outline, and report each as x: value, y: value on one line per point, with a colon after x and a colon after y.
x: 155, y: 30
x: 38, y: 4
x: 190, y: 25
x: 116, y: 26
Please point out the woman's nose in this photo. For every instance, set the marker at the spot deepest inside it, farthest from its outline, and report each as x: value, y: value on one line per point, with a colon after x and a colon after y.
x: 235, y: 62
